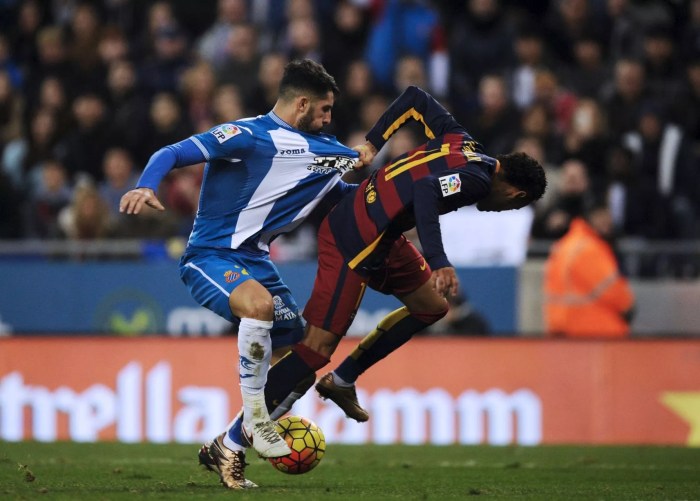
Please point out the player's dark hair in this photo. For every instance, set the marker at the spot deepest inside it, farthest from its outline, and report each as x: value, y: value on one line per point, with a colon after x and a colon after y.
x: 305, y: 75
x: 525, y: 173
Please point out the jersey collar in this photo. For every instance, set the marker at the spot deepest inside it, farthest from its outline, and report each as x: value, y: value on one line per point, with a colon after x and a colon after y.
x: 275, y: 118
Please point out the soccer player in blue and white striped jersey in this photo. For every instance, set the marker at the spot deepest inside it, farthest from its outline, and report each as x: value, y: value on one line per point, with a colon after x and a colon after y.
x: 263, y: 176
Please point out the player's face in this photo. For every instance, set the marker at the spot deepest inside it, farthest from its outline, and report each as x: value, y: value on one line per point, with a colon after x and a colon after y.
x: 504, y: 198
x: 317, y: 115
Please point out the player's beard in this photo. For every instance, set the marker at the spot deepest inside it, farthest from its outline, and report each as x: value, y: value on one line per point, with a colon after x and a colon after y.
x: 305, y: 121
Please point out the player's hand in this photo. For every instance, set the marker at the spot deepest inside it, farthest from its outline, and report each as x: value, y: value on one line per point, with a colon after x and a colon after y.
x: 134, y: 200
x: 367, y: 153
x: 445, y: 281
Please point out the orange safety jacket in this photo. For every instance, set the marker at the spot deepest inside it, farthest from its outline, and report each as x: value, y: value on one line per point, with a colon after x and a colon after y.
x: 585, y: 295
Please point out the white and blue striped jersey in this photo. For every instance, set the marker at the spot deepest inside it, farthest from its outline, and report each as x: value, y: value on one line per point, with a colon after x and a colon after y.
x: 262, y: 178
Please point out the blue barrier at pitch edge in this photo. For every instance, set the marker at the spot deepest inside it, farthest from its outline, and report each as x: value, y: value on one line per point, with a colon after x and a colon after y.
x: 141, y: 298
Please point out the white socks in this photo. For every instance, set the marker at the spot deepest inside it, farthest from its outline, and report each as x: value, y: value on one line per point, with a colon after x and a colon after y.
x: 254, y: 352
x: 341, y: 382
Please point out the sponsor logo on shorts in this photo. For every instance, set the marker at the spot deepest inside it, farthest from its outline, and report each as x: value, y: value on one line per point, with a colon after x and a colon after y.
x: 450, y: 184
x: 224, y: 132
x: 423, y: 265
x: 231, y: 276
x: 282, y: 311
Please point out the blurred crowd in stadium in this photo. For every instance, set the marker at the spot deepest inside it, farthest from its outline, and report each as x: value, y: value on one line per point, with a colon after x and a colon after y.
x: 605, y: 93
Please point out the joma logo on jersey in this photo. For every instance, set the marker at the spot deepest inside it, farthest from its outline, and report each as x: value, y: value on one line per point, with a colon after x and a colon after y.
x: 326, y: 165
x: 294, y: 151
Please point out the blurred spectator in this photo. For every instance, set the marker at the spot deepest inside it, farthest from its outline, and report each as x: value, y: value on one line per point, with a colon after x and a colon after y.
x: 571, y: 198
x: 11, y: 106
x: 160, y: 16
x: 624, y: 97
x: 128, y: 108
x: 87, y: 216
x: 182, y: 196
x: 585, y: 295
x: 410, y: 70
x: 480, y: 43
x: 213, y: 44
x: 83, y: 47
x: 227, y: 104
x: 52, y: 194
x: 21, y: 155
x: 633, y: 201
x: 558, y: 101
x: 495, y: 123
x: 686, y: 107
x: 241, y: 64
x: 113, y: 46
x: 566, y: 22
x: 406, y: 27
x: 53, y: 97
x: 690, y: 41
x: 356, y: 86
x: 530, y: 58
x: 663, y: 159
x: 303, y: 39
x: 264, y: 94
x: 587, y: 139
x: 166, y: 125
x: 53, y: 62
x: 663, y: 70
x: 588, y: 73
x: 344, y: 39
x: 198, y: 85
x: 10, y: 209
x: 8, y: 65
x: 462, y: 319
x: 622, y: 27
x: 536, y: 122
x: 23, y: 37
x: 84, y: 146
x: 118, y: 178
x: 161, y: 72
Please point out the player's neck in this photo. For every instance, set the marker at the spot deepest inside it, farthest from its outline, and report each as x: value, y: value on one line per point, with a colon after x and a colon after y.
x: 286, y: 113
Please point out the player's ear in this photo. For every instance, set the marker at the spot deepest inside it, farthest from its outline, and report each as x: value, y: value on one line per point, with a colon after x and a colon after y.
x: 303, y: 103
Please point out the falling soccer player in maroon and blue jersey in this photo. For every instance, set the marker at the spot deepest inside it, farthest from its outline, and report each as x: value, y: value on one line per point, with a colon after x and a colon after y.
x: 361, y: 244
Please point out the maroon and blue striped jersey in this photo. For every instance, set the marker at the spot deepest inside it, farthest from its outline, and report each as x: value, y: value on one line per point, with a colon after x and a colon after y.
x: 447, y: 172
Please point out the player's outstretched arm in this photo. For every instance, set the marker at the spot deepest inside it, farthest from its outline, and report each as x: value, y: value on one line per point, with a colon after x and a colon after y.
x: 414, y: 103
x: 161, y: 162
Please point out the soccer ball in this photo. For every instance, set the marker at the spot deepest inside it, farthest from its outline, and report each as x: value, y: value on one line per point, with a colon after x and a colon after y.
x: 306, y: 441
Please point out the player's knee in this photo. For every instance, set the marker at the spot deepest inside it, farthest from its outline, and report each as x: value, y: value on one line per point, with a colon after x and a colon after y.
x: 312, y: 358
x: 432, y: 315
x: 259, y: 307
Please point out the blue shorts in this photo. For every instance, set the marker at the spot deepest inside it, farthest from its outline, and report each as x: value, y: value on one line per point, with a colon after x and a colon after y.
x: 211, y: 275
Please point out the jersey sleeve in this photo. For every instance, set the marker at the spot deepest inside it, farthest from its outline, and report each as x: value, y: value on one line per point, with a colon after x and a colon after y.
x: 167, y: 158
x: 420, y: 106
x: 438, y: 194
x: 225, y: 140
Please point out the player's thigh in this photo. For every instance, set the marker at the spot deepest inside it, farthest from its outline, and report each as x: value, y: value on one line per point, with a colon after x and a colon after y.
x: 337, y: 291
x: 407, y: 276
x: 211, y: 279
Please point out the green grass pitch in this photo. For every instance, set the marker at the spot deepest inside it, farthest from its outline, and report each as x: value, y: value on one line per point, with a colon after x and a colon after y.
x: 108, y: 471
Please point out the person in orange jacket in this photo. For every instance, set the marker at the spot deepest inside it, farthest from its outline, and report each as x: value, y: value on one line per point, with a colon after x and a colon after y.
x: 585, y: 294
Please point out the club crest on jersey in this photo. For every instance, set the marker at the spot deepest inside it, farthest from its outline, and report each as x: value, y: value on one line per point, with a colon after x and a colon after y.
x: 450, y: 184
x: 370, y: 194
x: 224, y: 132
x: 231, y: 276
x: 328, y: 164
